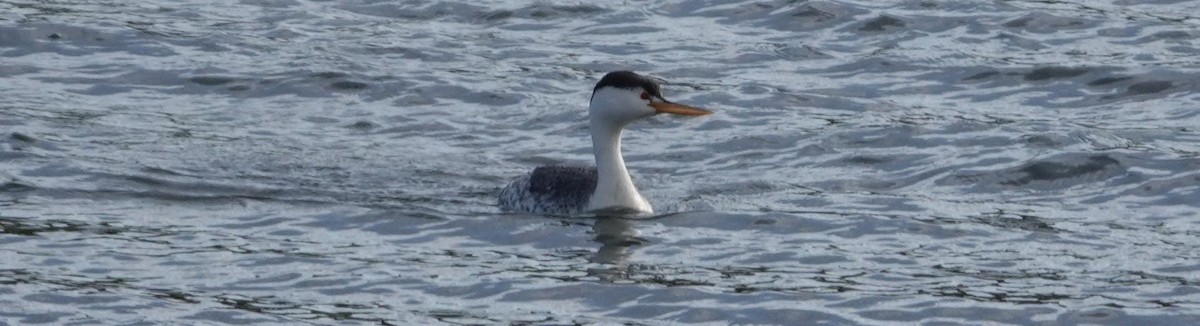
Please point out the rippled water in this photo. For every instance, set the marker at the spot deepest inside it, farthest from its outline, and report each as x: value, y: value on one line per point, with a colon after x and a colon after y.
x: 899, y: 162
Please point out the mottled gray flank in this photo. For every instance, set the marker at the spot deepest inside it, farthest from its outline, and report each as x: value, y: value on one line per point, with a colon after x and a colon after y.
x: 895, y: 162
x: 555, y: 190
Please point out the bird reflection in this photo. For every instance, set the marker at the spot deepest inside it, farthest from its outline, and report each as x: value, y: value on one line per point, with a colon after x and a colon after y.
x: 615, y: 235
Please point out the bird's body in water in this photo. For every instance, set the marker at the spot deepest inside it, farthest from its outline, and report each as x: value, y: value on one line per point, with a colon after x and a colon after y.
x: 619, y: 98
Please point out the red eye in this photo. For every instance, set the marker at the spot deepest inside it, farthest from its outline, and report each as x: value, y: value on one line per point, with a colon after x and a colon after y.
x: 645, y: 95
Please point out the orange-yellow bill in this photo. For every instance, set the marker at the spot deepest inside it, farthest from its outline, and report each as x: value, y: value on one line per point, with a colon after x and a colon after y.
x: 680, y: 109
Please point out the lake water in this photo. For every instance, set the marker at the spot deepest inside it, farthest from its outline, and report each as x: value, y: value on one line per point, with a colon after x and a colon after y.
x: 336, y: 162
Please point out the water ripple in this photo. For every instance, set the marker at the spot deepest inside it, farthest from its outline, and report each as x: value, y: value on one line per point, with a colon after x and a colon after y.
x: 288, y: 162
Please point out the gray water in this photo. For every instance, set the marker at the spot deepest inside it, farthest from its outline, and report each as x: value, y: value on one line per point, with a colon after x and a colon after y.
x: 336, y: 162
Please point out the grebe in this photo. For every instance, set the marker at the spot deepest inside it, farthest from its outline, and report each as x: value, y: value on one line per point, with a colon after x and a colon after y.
x: 619, y: 98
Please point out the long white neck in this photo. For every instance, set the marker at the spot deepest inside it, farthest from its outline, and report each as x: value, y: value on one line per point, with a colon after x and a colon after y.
x: 614, y: 188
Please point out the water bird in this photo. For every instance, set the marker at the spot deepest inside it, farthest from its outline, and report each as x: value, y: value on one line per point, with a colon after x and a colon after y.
x: 619, y: 98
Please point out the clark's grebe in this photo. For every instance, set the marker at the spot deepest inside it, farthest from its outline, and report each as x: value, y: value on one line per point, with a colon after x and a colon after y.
x: 619, y: 98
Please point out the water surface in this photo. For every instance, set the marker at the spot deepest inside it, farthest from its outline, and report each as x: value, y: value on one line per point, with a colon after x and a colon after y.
x: 896, y: 162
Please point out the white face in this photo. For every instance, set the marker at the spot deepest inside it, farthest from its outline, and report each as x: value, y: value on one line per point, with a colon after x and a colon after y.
x: 620, y: 106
